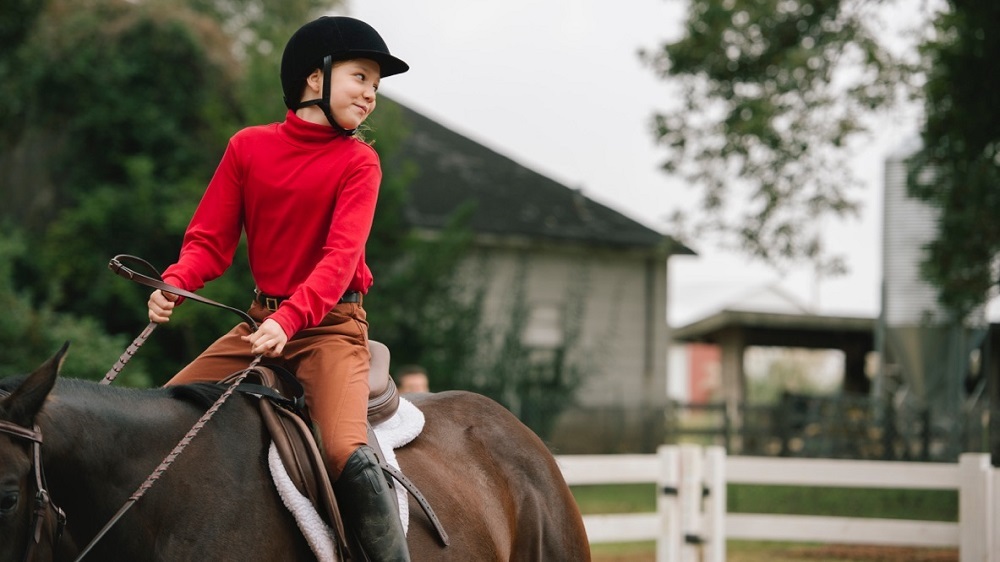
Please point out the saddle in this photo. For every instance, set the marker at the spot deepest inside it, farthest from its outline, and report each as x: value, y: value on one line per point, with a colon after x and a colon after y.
x: 283, y: 410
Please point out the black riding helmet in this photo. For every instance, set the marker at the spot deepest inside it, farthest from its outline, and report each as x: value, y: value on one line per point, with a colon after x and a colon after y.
x: 320, y: 43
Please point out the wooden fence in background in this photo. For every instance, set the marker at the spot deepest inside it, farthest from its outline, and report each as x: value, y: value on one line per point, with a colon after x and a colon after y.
x: 691, y: 522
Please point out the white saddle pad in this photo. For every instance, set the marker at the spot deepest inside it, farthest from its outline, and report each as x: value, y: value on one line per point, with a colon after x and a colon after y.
x: 400, y: 429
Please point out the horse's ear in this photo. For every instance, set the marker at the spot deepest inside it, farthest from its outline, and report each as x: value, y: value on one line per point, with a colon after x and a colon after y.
x: 24, y: 403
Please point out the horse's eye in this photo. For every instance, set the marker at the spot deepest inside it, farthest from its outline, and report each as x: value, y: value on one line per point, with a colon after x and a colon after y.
x: 8, y: 503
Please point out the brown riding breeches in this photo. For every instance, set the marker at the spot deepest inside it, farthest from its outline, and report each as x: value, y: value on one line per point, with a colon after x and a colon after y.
x: 331, y: 361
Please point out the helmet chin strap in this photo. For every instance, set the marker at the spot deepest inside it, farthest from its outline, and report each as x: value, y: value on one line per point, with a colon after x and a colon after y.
x: 324, y: 101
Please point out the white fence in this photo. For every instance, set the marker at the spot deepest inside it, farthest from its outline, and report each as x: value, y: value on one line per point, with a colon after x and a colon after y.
x: 691, y: 522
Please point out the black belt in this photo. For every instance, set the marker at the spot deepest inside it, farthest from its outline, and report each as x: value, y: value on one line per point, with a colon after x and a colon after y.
x: 271, y: 302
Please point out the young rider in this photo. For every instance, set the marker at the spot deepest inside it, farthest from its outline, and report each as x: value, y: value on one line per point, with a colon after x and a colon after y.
x: 304, y: 192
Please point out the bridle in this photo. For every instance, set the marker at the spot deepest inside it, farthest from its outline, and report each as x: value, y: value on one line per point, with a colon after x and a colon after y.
x: 44, y: 508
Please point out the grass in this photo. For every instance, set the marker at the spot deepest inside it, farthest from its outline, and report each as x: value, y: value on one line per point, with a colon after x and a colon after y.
x: 921, y: 505
x: 617, y: 498
x: 924, y: 505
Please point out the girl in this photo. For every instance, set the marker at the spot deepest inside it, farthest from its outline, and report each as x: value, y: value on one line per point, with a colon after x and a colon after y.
x: 304, y: 191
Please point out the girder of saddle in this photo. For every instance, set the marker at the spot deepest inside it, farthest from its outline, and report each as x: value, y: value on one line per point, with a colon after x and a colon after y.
x: 284, y: 414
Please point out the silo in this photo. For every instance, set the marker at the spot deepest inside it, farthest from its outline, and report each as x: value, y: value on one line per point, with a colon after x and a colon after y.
x: 925, y: 352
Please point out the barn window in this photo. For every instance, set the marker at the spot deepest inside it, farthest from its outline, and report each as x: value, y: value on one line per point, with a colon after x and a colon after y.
x: 544, y: 328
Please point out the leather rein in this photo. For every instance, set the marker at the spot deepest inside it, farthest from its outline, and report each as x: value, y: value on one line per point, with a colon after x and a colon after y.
x: 44, y: 508
x: 121, y: 269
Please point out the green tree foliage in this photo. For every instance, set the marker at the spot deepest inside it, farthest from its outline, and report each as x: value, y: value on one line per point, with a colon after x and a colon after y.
x: 109, y: 81
x: 770, y: 93
x: 132, y: 99
x: 18, y: 21
x: 961, y: 152
x: 32, y: 332
x: 258, y: 30
x: 773, y: 91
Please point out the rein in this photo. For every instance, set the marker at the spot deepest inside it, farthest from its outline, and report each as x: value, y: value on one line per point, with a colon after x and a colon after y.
x: 43, y: 502
x: 116, y: 266
x: 169, y: 459
x: 119, y: 268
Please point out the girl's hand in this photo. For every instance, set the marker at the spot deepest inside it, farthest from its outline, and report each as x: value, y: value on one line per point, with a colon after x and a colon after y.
x: 269, y: 339
x: 161, y: 306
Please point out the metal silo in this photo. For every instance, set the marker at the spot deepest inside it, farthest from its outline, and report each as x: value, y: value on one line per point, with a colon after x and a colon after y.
x: 924, y: 351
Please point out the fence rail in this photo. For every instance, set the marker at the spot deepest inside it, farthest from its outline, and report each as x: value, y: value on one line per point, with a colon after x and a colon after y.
x: 691, y: 504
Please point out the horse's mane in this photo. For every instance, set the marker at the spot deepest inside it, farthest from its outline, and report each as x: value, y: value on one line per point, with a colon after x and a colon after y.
x: 8, y: 384
x: 200, y: 394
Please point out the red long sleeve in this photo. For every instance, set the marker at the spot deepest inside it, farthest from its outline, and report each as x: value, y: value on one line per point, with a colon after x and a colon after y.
x: 305, y: 197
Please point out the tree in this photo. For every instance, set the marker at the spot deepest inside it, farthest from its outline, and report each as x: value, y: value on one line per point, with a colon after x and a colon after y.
x: 961, y: 149
x: 30, y: 331
x: 771, y: 92
x: 18, y: 21
x: 258, y: 30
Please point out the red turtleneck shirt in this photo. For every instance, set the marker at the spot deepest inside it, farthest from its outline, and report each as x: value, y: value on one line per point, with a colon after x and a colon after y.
x: 305, y: 196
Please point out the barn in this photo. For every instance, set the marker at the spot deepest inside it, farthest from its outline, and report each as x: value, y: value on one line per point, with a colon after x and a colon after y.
x: 592, y: 282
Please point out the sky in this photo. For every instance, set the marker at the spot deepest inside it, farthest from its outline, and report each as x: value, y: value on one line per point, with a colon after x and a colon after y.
x: 558, y: 86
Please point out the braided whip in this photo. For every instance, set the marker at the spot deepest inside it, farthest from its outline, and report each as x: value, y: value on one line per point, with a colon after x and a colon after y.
x: 131, y: 350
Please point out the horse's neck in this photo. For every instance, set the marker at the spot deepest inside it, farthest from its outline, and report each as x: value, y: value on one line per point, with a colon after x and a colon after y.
x: 102, y: 442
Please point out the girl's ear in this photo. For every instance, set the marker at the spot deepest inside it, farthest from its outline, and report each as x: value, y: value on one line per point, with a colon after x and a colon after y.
x: 314, y: 82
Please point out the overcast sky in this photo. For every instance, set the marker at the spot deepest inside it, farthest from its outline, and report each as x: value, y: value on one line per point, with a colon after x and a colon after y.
x: 558, y: 86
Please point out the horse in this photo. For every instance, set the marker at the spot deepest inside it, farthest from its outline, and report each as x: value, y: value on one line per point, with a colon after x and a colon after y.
x: 496, y: 488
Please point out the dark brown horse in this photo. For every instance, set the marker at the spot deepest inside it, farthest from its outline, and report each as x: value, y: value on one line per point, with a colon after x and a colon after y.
x: 494, y: 485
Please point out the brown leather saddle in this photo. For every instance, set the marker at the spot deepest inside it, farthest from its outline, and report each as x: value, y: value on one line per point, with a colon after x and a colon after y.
x: 283, y: 411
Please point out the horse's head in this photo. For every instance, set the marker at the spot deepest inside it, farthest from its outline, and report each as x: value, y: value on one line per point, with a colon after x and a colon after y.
x: 27, y: 520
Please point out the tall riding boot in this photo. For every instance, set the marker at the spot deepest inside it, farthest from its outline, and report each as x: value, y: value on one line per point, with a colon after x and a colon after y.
x: 369, y: 508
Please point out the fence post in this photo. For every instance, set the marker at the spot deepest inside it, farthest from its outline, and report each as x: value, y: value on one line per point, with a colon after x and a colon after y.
x: 715, y: 520
x: 668, y: 543
x: 691, y: 498
x: 974, y: 510
x: 994, y: 504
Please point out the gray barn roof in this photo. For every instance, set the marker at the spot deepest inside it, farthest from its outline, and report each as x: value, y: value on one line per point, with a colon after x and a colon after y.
x: 510, y: 199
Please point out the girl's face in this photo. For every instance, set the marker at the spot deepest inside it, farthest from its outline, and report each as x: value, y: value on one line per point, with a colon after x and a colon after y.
x: 353, y: 85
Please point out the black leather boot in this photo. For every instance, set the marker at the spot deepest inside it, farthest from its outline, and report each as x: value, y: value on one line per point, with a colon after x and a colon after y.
x: 369, y: 508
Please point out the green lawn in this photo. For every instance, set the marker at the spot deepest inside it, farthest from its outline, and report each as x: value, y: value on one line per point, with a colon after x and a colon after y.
x: 923, y: 505
x: 621, y: 498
